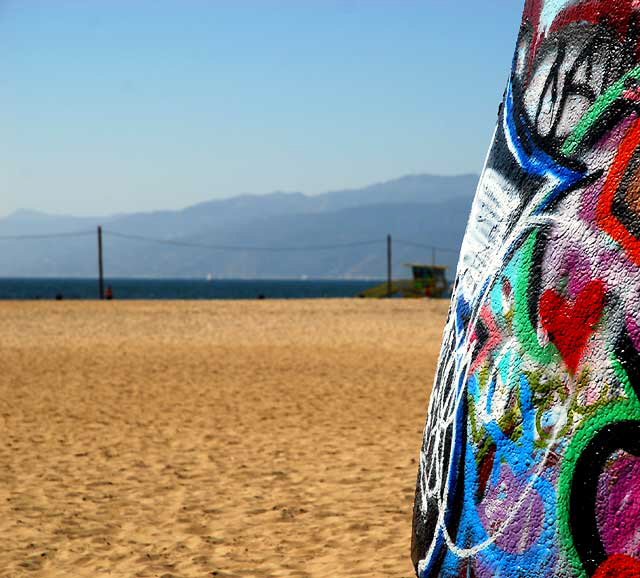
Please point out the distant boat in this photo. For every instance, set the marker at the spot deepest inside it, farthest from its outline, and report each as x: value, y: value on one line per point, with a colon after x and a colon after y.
x: 209, y: 276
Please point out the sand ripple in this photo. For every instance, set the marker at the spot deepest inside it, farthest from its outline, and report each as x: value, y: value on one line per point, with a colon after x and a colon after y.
x: 226, y: 439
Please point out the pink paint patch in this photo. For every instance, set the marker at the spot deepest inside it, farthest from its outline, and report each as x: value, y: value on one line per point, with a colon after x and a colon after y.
x: 610, y: 141
x: 524, y: 529
x: 594, y: 393
x: 493, y: 340
x: 579, y: 270
x: 618, y: 505
x: 589, y: 201
x: 634, y: 331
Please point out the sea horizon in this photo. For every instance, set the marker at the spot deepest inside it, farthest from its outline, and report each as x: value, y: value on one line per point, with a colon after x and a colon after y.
x: 157, y: 288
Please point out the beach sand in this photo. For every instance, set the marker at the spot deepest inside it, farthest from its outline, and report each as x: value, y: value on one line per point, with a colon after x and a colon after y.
x: 264, y: 438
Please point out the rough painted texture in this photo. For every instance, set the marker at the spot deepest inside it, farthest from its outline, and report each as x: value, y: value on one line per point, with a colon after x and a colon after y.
x: 530, y: 464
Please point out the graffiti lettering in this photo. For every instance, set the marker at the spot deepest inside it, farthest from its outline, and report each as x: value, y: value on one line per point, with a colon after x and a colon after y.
x: 530, y: 462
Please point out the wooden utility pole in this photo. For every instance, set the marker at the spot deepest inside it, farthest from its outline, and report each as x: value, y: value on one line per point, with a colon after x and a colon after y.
x: 388, y: 265
x: 100, y: 269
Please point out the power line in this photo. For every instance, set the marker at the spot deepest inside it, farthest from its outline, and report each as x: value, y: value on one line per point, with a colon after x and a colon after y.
x: 224, y: 247
x: 242, y: 247
x: 46, y: 236
x: 423, y: 246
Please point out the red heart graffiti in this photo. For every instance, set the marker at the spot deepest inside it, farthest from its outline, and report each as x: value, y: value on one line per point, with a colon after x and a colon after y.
x: 619, y: 566
x: 569, y: 325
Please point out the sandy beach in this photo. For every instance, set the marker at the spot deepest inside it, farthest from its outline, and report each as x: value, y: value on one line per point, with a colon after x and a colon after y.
x: 192, y: 439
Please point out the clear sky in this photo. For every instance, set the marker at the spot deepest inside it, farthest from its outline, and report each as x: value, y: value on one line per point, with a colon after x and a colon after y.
x: 127, y: 105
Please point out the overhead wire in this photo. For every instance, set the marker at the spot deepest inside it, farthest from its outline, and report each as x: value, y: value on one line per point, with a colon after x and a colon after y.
x: 241, y: 247
x: 424, y: 246
x: 46, y: 236
x: 215, y: 247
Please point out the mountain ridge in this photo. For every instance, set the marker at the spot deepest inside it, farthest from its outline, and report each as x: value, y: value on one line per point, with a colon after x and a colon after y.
x: 424, y: 209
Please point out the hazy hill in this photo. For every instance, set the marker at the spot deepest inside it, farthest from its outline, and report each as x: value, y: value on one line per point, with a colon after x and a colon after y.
x: 407, y: 189
x: 423, y: 209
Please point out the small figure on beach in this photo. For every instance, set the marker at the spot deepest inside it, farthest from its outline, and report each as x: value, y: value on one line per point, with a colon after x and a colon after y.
x: 108, y: 294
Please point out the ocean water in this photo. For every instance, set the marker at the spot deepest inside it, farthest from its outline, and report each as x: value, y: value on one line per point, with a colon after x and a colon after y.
x: 50, y: 288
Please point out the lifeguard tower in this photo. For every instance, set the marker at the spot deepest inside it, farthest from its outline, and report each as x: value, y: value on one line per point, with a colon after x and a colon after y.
x: 429, y: 280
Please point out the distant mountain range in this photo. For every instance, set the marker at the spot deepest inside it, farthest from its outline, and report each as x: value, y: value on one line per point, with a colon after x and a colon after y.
x: 420, y: 209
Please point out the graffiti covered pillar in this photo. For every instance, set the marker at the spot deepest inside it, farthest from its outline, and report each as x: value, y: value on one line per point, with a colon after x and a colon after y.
x: 530, y: 463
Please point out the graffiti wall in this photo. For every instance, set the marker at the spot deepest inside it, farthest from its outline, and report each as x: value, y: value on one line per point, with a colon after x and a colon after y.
x: 530, y: 463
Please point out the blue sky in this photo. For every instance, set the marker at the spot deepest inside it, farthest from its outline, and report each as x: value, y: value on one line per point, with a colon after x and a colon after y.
x: 128, y: 105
